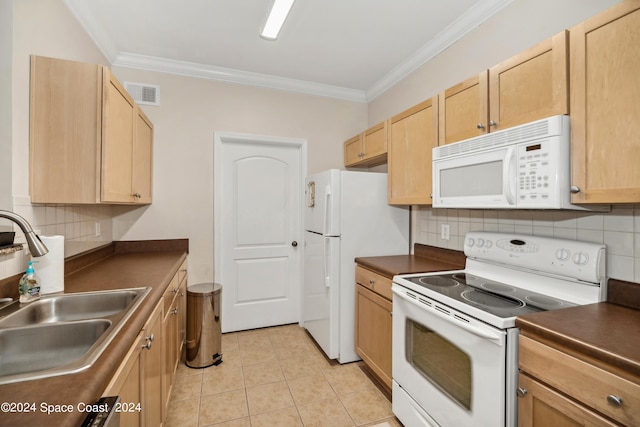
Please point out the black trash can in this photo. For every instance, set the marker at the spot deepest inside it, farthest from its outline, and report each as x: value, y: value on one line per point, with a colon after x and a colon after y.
x: 204, y: 333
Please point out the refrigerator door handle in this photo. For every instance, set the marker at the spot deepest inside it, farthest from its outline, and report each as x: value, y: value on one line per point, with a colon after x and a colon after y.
x: 326, y: 209
x: 325, y: 262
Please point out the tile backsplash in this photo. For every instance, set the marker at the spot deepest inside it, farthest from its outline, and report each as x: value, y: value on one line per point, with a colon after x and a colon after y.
x: 83, y: 227
x: 619, y: 230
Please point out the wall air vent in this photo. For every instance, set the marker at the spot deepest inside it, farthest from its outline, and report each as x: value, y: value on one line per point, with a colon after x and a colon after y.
x: 143, y: 93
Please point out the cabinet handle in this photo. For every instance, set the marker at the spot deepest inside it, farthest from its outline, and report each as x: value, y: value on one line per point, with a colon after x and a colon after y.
x: 492, y: 123
x: 136, y: 195
x: 480, y: 126
x: 174, y: 291
x: 521, y: 392
x: 147, y: 345
x: 575, y: 189
x: 174, y: 311
x: 149, y: 338
x: 614, y: 400
x: 371, y: 281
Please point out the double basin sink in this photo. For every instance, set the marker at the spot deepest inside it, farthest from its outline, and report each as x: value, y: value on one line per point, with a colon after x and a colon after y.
x: 61, y: 334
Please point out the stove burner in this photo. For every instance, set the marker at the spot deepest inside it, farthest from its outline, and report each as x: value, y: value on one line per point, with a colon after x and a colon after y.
x: 544, y: 301
x: 488, y: 299
x: 497, y: 287
x: 465, y: 278
x: 438, y: 281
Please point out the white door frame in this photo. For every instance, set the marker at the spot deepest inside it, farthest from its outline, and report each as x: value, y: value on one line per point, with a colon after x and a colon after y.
x: 230, y: 138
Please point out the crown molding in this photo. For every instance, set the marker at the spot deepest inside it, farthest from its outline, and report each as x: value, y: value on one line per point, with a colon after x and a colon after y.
x: 228, y: 75
x: 80, y: 10
x: 475, y: 16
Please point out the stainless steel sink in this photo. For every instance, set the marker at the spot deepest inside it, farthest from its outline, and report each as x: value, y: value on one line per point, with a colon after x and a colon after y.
x: 69, y: 307
x: 61, y: 334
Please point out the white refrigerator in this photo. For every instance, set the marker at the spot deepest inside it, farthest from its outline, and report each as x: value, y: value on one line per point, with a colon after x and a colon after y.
x: 346, y: 216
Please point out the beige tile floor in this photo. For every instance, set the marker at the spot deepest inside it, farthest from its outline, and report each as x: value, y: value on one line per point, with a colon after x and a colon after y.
x: 276, y: 377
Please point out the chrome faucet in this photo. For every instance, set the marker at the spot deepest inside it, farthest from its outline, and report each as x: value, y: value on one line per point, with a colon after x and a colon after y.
x: 36, y: 247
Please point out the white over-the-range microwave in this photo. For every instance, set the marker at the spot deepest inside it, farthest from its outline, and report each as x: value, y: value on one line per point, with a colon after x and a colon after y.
x: 524, y: 167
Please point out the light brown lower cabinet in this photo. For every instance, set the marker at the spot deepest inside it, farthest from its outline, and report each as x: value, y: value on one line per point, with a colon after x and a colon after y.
x: 561, y: 387
x: 541, y: 406
x: 172, y: 327
x: 146, y: 375
x: 138, y: 380
x: 374, y: 323
x: 126, y: 383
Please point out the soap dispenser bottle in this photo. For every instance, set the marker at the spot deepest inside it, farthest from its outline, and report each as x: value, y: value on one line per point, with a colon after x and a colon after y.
x: 29, y: 286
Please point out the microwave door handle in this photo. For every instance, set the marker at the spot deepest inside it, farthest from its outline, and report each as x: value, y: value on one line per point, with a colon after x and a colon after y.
x: 508, y: 175
x: 469, y: 328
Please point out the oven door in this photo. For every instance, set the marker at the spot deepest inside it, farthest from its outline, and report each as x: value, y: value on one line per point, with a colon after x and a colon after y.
x: 448, y: 368
x: 478, y: 180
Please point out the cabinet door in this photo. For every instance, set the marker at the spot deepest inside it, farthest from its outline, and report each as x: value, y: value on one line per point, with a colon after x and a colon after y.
x: 531, y: 85
x: 464, y: 110
x: 353, y: 150
x: 170, y: 326
x: 540, y: 406
x: 151, y: 364
x: 65, y: 130
x: 142, y: 158
x: 126, y: 383
x: 413, y: 135
x: 117, y: 141
x: 373, y: 332
x: 374, y: 142
x: 605, y: 141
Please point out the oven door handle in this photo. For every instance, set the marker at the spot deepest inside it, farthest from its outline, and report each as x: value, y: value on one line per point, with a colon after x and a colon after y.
x: 469, y: 328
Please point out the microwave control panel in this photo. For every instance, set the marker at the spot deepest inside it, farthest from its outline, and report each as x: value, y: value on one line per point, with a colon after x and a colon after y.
x: 537, y: 175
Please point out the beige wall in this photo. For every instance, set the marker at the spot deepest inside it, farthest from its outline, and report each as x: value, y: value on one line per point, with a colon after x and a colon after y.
x: 519, y: 26
x: 191, y: 111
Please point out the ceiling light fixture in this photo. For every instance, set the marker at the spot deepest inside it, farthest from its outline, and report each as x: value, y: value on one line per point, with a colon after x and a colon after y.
x: 275, y: 20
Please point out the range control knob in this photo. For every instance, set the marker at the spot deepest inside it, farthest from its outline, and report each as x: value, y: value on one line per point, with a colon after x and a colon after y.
x: 470, y: 242
x: 580, y: 258
x: 562, y: 254
x: 480, y: 243
x: 488, y: 243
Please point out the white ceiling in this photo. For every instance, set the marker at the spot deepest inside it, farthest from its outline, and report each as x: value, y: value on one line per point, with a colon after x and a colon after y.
x: 349, y: 49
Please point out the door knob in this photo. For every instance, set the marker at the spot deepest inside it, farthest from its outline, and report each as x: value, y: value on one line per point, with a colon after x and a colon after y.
x: 294, y: 243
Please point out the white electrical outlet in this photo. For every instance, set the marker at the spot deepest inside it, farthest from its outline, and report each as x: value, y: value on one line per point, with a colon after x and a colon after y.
x: 444, y: 231
x: 97, y: 229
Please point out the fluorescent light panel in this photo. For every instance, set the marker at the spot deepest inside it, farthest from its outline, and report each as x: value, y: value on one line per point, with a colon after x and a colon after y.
x: 275, y: 20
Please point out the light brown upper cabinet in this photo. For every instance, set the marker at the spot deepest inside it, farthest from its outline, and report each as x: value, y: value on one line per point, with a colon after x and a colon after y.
x: 89, y: 141
x: 529, y: 86
x: 605, y: 106
x: 412, y: 136
x: 463, y: 110
x: 368, y: 148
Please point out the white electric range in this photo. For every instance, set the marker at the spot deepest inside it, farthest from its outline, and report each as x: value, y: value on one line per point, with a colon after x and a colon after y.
x: 454, y: 336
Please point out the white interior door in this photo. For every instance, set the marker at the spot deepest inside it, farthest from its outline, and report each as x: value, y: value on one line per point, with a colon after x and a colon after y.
x: 258, y: 196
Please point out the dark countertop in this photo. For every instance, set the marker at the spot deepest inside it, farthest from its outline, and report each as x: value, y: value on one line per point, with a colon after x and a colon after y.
x: 426, y: 259
x: 122, y: 266
x: 605, y: 331
x: 608, y: 331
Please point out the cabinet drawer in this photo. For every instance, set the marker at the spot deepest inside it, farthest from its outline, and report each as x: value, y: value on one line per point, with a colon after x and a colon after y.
x: 374, y: 281
x: 591, y: 385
